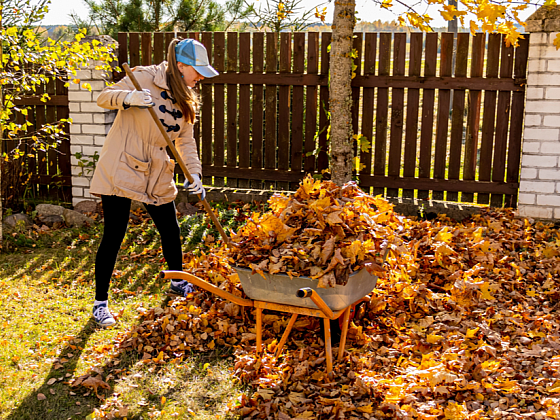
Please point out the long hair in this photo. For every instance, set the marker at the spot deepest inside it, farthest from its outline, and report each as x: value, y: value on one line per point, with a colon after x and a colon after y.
x: 186, y: 98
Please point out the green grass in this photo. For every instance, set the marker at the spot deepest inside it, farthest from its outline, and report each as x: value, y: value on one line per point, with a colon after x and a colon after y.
x: 47, y: 336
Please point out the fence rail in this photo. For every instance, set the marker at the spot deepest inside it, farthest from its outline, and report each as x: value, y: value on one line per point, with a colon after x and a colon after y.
x: 443, y: 114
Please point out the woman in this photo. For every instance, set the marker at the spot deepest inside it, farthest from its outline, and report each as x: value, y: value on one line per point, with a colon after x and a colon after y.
x: 134, y: 164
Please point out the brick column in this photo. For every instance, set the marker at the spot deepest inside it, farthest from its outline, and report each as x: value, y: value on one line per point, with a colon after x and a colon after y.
x: 90, y: 125
x: 539, y: 190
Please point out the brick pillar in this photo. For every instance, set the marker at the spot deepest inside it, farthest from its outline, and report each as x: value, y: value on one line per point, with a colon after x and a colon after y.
x: 539, y: 190
x: 90, y: 125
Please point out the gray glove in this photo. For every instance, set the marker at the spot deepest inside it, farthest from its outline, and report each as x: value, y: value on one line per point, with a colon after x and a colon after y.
x: 139, y: 98
x: 196, y: 187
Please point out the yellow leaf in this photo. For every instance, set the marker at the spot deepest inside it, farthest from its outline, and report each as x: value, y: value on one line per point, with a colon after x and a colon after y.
x: 366, y: 408
x: 556, y: 41
x: 434, y: 338
x: 444, y: 236
x: 163, y: 399
x: 471, y: 333
x: 211, y: 345
x: 455, y: 411
x: 485, y: 289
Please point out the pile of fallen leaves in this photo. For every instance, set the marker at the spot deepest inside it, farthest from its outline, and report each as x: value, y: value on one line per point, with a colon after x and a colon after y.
x: 323, y: 231
x: 463, y: 323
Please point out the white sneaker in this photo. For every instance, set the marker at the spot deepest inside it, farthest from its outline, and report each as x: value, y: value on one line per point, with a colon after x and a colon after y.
x: 102, y: 316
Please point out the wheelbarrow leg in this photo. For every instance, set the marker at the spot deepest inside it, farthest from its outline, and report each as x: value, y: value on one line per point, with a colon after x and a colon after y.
x: 285, y: 335
x: 345, y: 322
x: 328, y: 348
x: 259, y: 331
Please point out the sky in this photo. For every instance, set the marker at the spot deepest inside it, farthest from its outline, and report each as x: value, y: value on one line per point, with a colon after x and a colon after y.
x: 367, y: 11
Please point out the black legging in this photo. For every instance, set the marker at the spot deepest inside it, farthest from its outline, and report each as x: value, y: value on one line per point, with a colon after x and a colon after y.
x: 116, y: 211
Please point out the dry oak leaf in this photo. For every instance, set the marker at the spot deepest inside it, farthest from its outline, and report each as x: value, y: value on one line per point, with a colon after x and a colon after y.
x: 328, y: 249
x: 95, y: 383
x: 41, y: 397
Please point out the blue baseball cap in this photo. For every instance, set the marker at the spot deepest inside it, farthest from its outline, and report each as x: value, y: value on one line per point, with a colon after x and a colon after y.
x: 193, y: 53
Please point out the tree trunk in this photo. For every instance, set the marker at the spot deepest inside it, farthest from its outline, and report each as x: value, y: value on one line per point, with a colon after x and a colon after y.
x: 340, y: 92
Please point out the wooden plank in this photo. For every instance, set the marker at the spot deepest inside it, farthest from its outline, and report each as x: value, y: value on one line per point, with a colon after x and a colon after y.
x: 357, y: 45
x: 412, y: 82
x: 159, y: 47
x: 382, y: 111
x: 146, y: 48
x: 296, y: 163
x: 206, y: 110
x: 397, y: 111
x: 284, y: 108
x: 516, y: 125
x: 31, y: 155
x: 169, y: 36
x: 368, y: 101
x: 52, y: 154
x: 457, y: 116
x: 40, y: 119
x: 473, y: 113
x: 271, y: 106
x: 412, y: 110
x: 257, y: 123
x: 219, y: 112
x: 444, y: 98
x: 488, y: 120
x: 428, y: 97
x: 311, y: 103
x: 323, y: 158
x: 58, y: 100
x: 64, y: 157
x: 134, y: 49
x: 123, y: 51
x: 378, y: 181
x: 502, y: 124
x: 244, y: 150
x: 232, y: 107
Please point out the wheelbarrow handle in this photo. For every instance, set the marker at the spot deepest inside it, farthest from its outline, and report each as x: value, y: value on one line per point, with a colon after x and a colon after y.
x: 308, y: 292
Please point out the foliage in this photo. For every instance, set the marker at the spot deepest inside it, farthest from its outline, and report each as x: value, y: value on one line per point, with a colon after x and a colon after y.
x: 22, y: 14
x: 281, y: 15
x: 113, y: 16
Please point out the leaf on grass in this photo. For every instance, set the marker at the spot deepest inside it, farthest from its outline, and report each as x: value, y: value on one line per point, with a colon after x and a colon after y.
x: 41, y: 397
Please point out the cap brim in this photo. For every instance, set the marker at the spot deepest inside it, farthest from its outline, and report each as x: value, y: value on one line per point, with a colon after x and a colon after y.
x: 206, y: 71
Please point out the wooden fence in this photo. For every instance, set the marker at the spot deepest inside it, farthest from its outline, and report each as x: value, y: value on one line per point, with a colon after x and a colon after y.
x: 39, y: 174
x: 444, y: 115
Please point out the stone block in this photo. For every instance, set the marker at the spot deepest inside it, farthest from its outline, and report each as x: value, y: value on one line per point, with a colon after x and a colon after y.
x: 553, y: 66
x: 73, y: 86
x: 74, y: 106
x: 529, y: 173
x: 97, y: 85
x: 550, y: 148
x: 80, y: 181
x: 549, y: 174
x: 74, y: 160
x: 527, y: 198
x: 81, y: 118
x: 77, y: 192
x: 86, y: 140
x: 83, y: 75
x: 79, y: 96
x: 546, y: 187
x: 90, y: 150
x: 543, y: 79
x: 548, y: 200
x: 532, y: 106
x: 550, y: 121
x: 91, y: 107
x: 539, y: 161
x: 95, y: 95
x: 100, y: 140
x: 75, y: 149
x: 538, y: 134
x: 536, y: 65
x: 533, y: 119
x: 535, y: 211
x: 75, y: 129
x: 538, y: 38
x: 100, y: 75
x: 77, y: 171
x: 531, y: 147
x: 93, y: 129
x: 535, y: 93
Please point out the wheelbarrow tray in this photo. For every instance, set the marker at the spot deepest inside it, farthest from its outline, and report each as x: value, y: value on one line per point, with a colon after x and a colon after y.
x: 280, y: 288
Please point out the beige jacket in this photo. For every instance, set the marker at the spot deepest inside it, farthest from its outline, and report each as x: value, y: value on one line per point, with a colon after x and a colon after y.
x: 134, y: 162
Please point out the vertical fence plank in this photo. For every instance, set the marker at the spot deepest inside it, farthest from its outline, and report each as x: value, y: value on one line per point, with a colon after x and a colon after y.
x: 357, y: 45
x: 297, y: 107
x: 428, y: 97
x: 232, y: 107
x: 457, y: 116
x: 219, y: 111
x: 271, y: 105
x: 444, y: 96
x: 169, y: 36
x: 206, y: 114
x: 40, y: 118
x: 284, y: 108
x: 146, y: 48
x: 502, y: 124
x: 134, y: 49
x: 64, y: 163
x: 368, y: 98
x: 397, y: 108
x: 31, y: 155
x: 412, y: 108
x: 488, y: 119
x: 311, y: 103
x: 52, y: 154
x: 257, y: 123
x: 159, y: 47
x: 382, y: 111
x: 244, y: 150
x: 323, y: 157
x: 123, y: 50
x: 473, y: 115
x: 516, y: 125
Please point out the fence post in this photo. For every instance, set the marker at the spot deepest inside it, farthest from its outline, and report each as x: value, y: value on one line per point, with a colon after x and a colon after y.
x: 90, y: 126
x: 539, y: 190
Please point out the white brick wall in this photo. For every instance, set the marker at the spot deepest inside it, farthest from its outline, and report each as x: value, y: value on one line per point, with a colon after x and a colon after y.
x: 89, y: 129
x: 539, y: 189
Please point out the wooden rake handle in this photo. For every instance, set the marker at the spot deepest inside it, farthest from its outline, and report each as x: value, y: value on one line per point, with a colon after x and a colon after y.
x: 182, y: 165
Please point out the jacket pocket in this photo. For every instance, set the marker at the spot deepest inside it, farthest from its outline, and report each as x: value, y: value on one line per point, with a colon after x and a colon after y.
x: 165, y: 185
x: 132, y: 173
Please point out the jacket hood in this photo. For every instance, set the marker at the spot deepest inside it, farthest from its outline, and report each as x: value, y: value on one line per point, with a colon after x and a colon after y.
x: 160, y: 76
